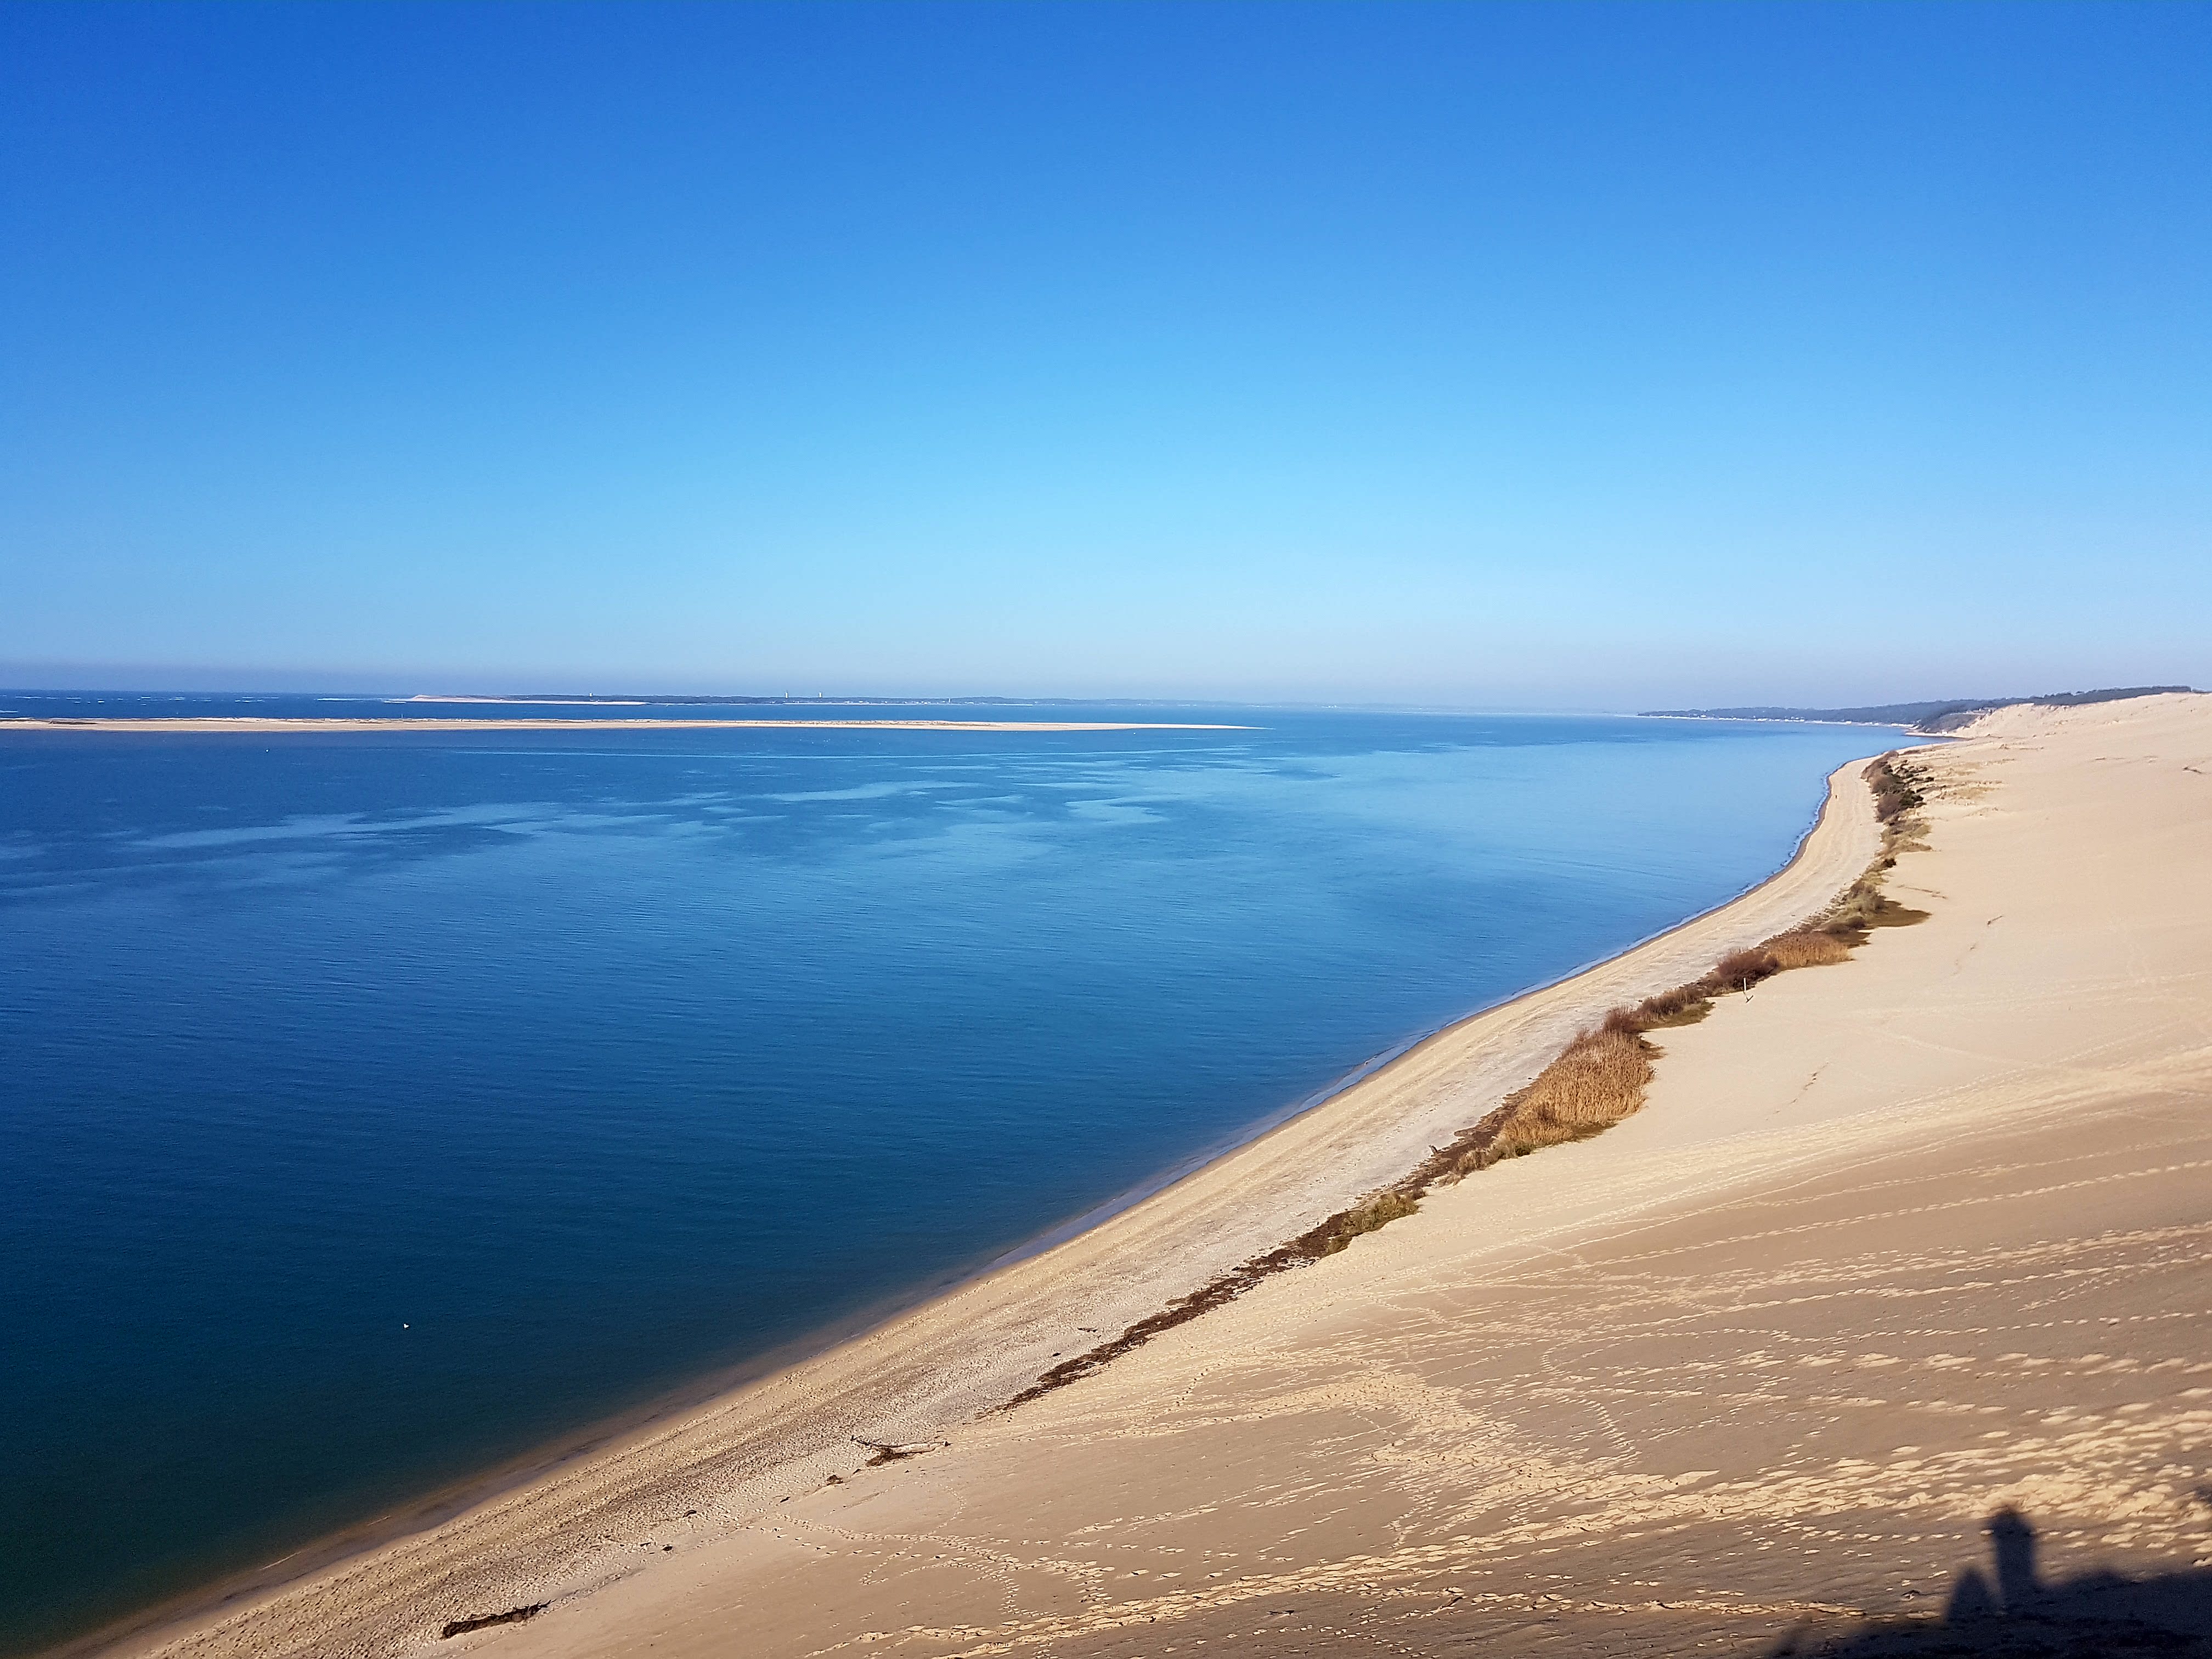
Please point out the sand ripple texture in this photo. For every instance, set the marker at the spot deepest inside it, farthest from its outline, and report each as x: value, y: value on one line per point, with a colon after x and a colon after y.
x: 1894, y: 1245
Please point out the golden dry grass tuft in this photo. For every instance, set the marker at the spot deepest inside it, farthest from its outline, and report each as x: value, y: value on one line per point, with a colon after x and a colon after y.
x: 1598, y: 1079
x: 1808, y: 947
x: 1864, y: 907
x: 1685, y: 1004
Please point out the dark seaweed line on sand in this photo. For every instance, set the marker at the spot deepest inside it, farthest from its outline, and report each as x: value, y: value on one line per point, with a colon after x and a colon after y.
x: 1538, y: 1116
x: 486, y: 1620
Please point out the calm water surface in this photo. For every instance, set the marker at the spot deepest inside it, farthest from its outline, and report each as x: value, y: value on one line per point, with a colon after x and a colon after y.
x: 375, y: 1107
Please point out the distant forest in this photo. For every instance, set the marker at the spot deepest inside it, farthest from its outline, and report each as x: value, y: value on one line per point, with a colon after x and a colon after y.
x: 1944, y: 715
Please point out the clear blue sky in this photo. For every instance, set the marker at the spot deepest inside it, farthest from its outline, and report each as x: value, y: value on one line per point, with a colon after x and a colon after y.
x: 1480, y: 355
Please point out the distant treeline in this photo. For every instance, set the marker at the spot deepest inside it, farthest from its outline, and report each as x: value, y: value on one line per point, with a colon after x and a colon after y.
x: 1938, y: 716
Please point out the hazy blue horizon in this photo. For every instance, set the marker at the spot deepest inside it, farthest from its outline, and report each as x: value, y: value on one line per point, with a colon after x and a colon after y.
x: 430, y: 699
x: 168, y: 681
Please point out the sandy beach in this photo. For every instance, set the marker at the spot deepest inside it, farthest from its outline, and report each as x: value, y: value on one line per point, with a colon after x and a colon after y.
x: 1896, y: 1245
x: 413, y: 723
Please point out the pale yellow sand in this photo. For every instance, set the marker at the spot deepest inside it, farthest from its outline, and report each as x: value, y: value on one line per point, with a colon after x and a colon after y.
x: 415, y: 723
x: 1893, y: 1242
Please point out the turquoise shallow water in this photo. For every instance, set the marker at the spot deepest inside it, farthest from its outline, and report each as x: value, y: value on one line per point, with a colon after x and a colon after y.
x: 376, y: 1108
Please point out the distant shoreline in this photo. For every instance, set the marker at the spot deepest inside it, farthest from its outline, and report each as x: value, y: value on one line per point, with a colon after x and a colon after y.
x: 1926, y: 718
x: 189, y: 725
x: 1775, y: 720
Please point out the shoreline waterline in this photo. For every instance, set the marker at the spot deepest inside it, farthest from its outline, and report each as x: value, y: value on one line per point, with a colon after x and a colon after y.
x: 625, y: 1435
x: 1183, y: 1169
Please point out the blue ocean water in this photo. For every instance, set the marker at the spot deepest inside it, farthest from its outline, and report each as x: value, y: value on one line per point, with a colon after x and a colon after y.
x: 376, y: 1107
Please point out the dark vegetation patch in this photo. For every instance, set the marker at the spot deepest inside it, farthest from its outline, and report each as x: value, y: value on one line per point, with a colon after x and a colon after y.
x: 884, y: 1451
x: 486, y: 1620
x: 1597, y: 1080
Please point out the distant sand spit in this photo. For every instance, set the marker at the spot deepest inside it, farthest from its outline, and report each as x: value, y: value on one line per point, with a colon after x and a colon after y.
x: 404, y: 723
x: 1894, y: 1243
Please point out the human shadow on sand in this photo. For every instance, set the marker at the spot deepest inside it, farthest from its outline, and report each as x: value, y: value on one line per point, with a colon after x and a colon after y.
x: 2013, y: 1610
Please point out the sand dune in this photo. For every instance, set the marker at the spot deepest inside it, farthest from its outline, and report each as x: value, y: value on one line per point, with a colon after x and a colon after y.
x: 1895, y: 1244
